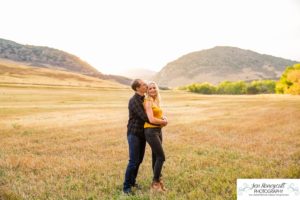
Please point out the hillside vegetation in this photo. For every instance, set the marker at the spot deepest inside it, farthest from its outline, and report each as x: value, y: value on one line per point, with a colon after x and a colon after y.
x: 221, y: 64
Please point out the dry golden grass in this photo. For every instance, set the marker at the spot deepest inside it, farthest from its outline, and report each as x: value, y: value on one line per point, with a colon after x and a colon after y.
x: 70, y: 143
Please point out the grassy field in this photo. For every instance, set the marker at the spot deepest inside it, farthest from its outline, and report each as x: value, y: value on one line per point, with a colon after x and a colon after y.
x: 70, y: 143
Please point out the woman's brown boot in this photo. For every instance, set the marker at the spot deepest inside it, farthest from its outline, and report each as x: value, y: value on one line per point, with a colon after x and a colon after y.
x: 162, y: 185
x: 156, y: 187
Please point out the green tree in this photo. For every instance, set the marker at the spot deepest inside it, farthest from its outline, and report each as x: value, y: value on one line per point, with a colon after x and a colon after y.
x: 203, y: 88
x: 227, y: 87
x: 261, y: 87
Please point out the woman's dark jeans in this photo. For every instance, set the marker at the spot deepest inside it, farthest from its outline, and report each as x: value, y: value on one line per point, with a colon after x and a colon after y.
x: 154, y: 139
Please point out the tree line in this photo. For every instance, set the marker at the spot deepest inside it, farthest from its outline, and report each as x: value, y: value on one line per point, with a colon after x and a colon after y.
x: 289, y: 83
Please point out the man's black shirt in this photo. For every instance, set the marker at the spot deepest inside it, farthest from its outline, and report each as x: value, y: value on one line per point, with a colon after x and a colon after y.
x: 137, y: 116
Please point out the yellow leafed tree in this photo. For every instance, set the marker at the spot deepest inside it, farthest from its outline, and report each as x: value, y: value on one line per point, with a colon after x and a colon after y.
x: 289, y: 82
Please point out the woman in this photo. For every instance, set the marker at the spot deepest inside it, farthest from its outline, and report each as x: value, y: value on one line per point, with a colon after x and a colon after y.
x: 153, y: 133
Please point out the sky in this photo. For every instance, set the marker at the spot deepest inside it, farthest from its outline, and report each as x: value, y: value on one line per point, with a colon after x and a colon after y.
x: 117, y: 35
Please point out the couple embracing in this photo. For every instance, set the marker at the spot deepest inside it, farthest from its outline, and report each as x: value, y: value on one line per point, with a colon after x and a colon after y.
x: 144, y: 125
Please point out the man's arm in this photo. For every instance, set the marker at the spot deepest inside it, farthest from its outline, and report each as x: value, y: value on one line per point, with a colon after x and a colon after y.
x: 138, y: 109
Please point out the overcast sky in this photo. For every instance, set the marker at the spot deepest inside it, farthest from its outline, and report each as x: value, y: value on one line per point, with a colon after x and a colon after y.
x: 114, y: 35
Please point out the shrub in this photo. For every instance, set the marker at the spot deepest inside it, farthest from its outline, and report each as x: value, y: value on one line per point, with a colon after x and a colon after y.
x: 261, y: 87
x: 203, y: 88
x: 238, y: 87
x: 227, y: 87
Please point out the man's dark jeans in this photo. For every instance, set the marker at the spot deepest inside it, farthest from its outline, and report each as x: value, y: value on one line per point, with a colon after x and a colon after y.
x: 136, y: 155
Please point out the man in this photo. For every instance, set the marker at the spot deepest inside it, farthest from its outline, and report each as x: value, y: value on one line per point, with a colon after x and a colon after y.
x: 135, y: 134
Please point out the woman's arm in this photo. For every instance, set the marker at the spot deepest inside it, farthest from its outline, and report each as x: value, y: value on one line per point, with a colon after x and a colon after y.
x: 149, y: 112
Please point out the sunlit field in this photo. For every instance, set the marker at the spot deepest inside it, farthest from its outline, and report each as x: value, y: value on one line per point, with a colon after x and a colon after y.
x: 70, y: 143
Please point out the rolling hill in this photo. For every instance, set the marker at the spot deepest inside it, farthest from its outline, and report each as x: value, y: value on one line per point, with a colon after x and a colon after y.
x: 51, y: 58
x: 14, y: 73
x: 219, y: 64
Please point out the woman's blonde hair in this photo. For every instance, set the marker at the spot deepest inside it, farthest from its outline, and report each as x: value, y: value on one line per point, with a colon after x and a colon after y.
x: 157, y: 100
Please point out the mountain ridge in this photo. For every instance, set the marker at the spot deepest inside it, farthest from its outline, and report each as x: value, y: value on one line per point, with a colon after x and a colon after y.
x: 219, y: 64
x: 46, y: 57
